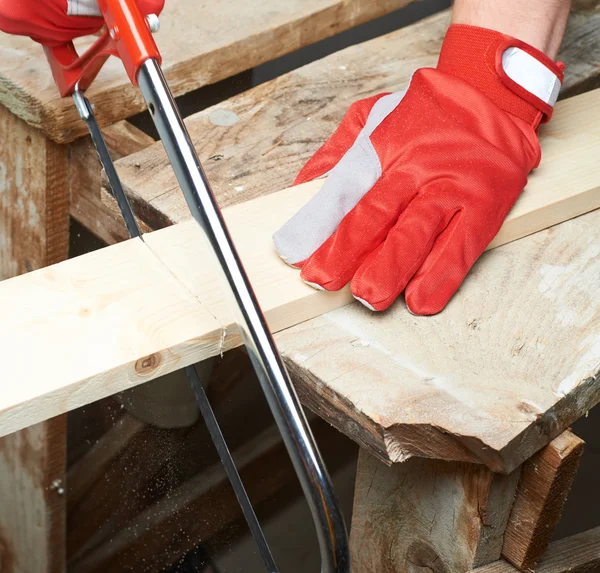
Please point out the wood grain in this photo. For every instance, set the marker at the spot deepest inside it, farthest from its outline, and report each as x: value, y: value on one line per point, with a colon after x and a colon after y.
x: 501, y: 372
x: 283, y: 122
x: 577, y: 554
x: 201, y: 43
x: 34, y: 199
x: 145, y: 310
x: 34, y: 232
x: 545, y: 483
x: 445, y: 517
x: 89, y: 203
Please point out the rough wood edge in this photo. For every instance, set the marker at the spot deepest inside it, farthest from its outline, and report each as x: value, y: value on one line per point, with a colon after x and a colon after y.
x: 577, y: 554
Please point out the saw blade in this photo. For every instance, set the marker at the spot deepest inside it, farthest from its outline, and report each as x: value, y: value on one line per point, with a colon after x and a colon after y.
x: 86, y: 113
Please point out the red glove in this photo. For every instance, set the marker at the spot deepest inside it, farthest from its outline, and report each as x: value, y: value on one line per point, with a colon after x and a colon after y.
x: 419, y: 182
x: 54, y: 22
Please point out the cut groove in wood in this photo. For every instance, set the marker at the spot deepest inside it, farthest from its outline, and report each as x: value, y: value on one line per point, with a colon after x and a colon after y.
x: 545, y: 483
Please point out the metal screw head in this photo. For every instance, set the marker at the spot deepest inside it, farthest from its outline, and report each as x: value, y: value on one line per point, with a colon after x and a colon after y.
x: 153, y: 23
x: 114, y: 33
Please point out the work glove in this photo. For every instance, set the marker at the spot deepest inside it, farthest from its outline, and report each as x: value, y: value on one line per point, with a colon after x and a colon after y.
x: 55, y: 22
x: 420, y: 181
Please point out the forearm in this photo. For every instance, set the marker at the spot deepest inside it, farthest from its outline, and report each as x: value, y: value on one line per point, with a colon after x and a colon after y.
x: 540, y: 23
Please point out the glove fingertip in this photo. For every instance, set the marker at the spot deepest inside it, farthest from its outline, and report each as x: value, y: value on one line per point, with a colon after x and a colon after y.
x: 426, y: 307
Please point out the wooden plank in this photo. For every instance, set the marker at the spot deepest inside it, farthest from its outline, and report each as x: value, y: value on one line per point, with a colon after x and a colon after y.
x: 580, y: 49
x: 34, y: 199
x: 32, y: 498
x: 138, y: 277
x: 577, y: 554
x: 502, y: 371
x: 280, y: 124
x: 545, y: 483
x: 446, y: 517
x: 200, y: 44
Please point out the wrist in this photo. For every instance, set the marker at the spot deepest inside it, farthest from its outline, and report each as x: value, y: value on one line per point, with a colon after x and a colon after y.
x: 539, y: 23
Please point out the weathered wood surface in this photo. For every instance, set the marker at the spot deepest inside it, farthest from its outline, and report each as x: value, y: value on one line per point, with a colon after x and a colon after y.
x: 545, y: 482
x: 201, y: 43
x: 34, y: 198
x: 279, y: 125
x: 445, y: 517
x: 32, y: 499
x: 511, y: 362
x: 566, y: 185
x: 34, y: 232
x: 577, y: 554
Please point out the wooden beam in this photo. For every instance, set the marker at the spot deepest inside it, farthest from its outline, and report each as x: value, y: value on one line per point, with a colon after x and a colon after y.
x: 32, y: 499
x: 577, y: 554
x: 34, y: 199
x: 545, y: 483
x: 34, y: 232
x: 145, y: 310
x: 219, y: 40
x: 445, y: 517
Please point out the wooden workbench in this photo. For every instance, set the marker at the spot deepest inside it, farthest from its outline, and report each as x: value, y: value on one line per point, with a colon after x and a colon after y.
x: 507, y: 367
x: 399, y: 385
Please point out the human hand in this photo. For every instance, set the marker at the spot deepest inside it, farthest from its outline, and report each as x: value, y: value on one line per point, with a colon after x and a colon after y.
x: 420, y: 182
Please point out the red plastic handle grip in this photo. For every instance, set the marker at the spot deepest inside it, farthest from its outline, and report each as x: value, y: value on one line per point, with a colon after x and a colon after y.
x: 127, y: 37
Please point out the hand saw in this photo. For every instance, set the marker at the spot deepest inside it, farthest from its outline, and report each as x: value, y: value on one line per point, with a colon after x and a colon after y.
x: 128, y: 36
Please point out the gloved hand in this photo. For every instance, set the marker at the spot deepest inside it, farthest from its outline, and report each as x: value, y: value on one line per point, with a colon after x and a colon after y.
x: 419, y: 182
x: 54, y: 22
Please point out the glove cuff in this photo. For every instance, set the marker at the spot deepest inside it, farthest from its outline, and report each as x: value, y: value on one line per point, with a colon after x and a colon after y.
x: 516, y: 76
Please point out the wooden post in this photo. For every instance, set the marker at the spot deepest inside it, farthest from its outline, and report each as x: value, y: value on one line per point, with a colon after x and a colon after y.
x: 32, y: 499
x: 447, y: 517
x: 545, y: 483
x: 34, y: 198
x: 34, y: 232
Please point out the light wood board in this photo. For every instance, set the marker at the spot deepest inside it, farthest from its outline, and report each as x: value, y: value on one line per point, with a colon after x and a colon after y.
x: 117, y: 317
x: 201, y: 43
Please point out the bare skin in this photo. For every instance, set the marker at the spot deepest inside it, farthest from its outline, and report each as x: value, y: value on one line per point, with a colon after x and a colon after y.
x: 540, y: 23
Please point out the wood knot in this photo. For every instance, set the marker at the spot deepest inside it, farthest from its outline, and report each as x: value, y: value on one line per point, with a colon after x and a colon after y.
x: 420, y: 557
x: 148, y: 364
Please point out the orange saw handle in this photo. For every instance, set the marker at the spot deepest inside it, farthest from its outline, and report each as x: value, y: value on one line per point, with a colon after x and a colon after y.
x: 127, y: 36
